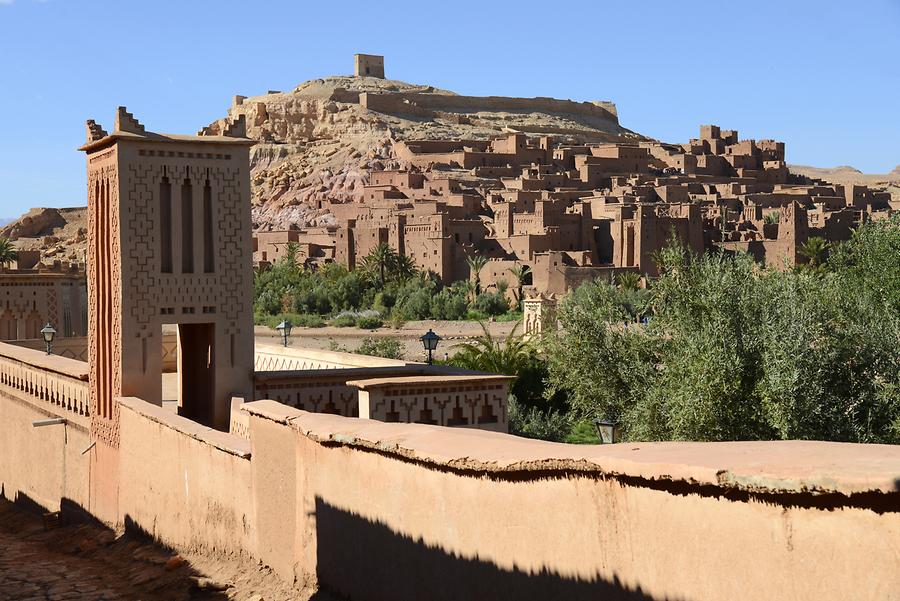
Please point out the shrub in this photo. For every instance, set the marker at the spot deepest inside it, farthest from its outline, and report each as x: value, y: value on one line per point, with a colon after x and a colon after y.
x: 415, y: 304
x: 448, y: 305
x: 343, y: 321
x: 388, y: 347
x: 397, y: 322
x: 533, y: 423
x: 737, y: 352
x: 303, y: 321
x: 369, y: 323
x: 491, y: 303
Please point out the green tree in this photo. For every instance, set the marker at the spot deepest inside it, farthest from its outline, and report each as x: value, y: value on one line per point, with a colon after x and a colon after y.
x: 8, y: 252
x: 737, y: 352
x: 406, y: 267
x: 381, y: 261
x: 815, y: 251
x: 291, y: 253
x: 476, y: 263
x: 522, y: 274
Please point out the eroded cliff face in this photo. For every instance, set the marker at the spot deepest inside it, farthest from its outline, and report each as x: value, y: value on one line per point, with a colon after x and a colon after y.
x: 319, y: 142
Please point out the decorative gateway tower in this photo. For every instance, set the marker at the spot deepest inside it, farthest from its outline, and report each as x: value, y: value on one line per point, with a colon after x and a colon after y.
x: 168, y: 243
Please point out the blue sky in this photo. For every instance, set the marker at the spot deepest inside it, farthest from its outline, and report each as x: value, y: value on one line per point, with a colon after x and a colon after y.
x: 822, y: 76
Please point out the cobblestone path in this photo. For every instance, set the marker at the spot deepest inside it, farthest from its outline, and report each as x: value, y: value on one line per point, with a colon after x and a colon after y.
x: 88, y: 562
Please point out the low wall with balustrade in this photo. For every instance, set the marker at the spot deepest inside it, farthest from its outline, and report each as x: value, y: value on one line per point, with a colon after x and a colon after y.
x: 44, y: 464
x: 278, y: 358
x: 408, y: 393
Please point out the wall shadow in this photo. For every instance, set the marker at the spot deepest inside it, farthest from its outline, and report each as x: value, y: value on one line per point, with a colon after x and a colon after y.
x: 366, y: 560
x: 132, y: 565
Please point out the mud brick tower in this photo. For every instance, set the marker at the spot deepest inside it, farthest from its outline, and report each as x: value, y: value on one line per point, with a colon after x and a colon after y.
x: 168, y: 243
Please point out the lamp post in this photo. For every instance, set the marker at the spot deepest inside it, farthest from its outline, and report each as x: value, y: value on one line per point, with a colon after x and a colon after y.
x: 48, y: 332
x: 284, y: 328
x: 430, y: 341
x: 606, y: 431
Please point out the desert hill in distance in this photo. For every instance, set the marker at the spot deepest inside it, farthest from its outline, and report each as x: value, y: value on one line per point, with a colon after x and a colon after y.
x: 846, y: 174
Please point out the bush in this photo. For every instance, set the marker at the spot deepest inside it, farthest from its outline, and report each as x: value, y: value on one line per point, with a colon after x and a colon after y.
x: 448, y: 305
x: 344, y: 321
x: 397, y: 322
x: 303, y: 321
x: 369, y: 323
x: 491, y: 303
x: 308, y: 321
x: 388, y: 347
x: 415, y: 303
x: 533, y: 423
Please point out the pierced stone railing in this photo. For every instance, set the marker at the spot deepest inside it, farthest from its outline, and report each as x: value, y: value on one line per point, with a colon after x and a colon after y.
x: 55, y: 384
x: 414, y: 393
x: 271, y: 358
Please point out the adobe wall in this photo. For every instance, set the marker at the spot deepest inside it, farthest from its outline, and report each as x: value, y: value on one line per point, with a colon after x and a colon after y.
x: 413, y: 103
x: 43, y: 465
x: 185, y: 484
x: 410, y: 511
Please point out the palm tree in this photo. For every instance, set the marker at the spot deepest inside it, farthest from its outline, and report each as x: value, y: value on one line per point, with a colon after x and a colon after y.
x: 815, y: 250
x: 8, y: 252
x: 629, y: 280
x: 382, y: 260
x: 501, y: 356
x: 476, y: 263
x: 773, y: 217
x: 521, y: 273
x: 468, y: 286
x: 406, y: 267
x: 291, y: 252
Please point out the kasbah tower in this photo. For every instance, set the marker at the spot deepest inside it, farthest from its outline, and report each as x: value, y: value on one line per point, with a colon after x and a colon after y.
x: 169, y: 233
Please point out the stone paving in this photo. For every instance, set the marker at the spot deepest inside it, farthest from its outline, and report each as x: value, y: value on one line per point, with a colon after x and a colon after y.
x: 88, y: 562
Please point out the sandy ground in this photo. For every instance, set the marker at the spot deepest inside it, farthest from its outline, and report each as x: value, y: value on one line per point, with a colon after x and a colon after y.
x: 452, y: 333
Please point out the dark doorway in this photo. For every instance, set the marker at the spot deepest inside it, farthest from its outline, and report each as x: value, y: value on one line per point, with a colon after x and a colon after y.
x: 603, y: 240
x: 196, y: 371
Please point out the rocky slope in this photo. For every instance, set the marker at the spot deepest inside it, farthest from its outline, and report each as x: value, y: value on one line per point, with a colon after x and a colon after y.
x: 61, y: 234
x: 318, y: 142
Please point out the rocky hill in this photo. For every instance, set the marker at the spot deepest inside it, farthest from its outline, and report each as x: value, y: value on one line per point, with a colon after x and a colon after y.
x: 61, y: 234
x: 321, y: 140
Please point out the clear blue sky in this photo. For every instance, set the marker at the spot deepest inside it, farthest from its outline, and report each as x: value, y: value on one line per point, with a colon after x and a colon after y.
x: 822, y: 76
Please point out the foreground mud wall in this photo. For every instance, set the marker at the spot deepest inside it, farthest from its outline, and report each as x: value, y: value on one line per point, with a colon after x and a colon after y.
x: 379, y: 511
x: 43, y: 465
x: 386, y: 511
x: 184, y: 484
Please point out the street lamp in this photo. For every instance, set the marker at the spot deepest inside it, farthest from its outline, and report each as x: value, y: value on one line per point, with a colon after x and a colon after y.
x: 430, y: 341
x: 606, y: 431
x: 48, y: 332
x: 284, y: 328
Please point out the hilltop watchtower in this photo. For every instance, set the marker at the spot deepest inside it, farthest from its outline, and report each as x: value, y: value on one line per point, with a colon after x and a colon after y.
x: 368, y: 65
x: 168, y: 243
